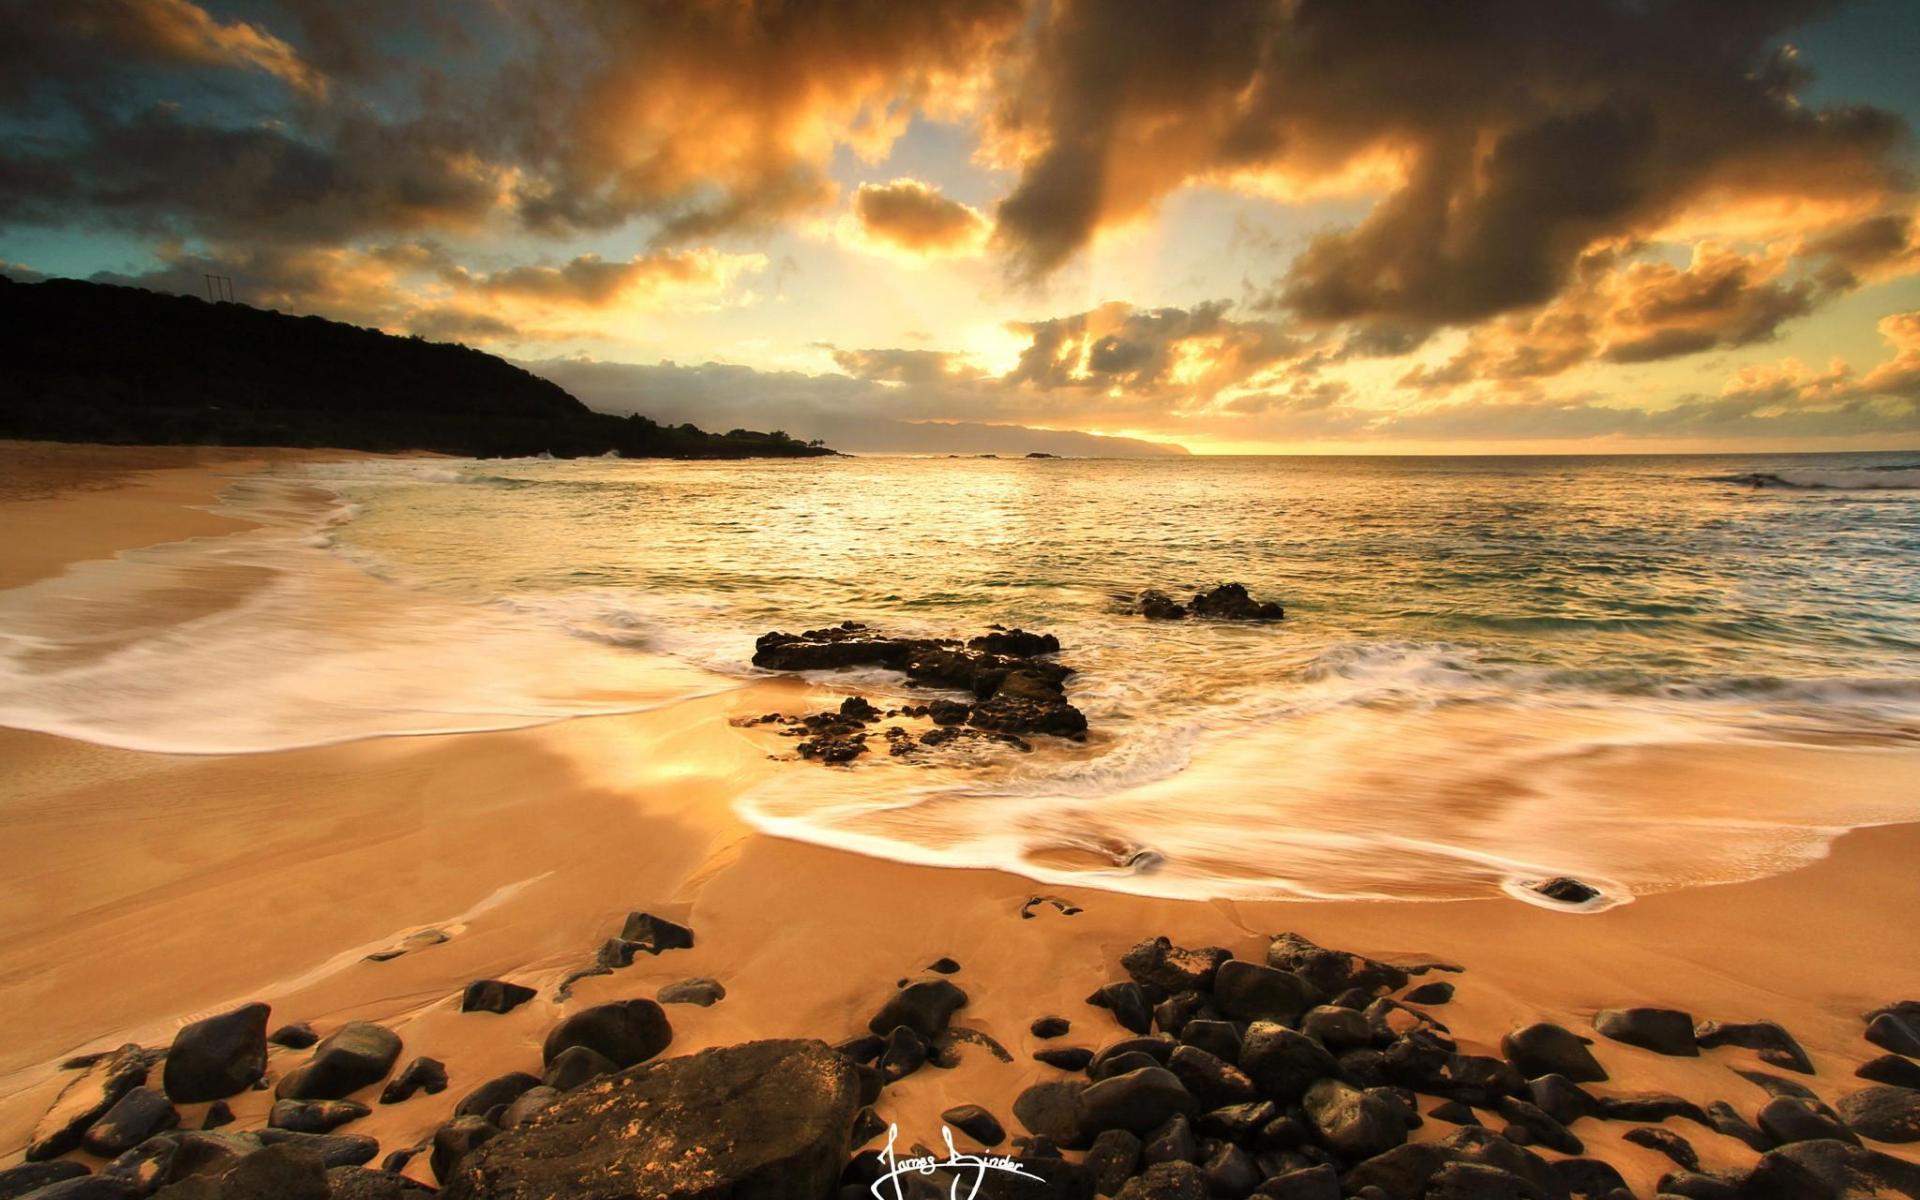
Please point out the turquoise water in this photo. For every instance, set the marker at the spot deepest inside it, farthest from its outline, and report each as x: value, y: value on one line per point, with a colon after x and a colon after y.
x: 1456, y: 626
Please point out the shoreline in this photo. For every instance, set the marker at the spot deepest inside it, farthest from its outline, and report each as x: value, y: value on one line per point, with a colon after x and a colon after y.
x: 270, y: 876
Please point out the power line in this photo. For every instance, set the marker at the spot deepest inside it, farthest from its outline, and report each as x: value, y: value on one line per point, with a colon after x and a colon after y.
x: 219, y: 288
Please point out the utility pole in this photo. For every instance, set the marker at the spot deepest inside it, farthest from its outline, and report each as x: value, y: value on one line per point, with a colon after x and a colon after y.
x: 219, y: 288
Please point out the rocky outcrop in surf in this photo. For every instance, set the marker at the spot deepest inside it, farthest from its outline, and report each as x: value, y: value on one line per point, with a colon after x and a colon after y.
x: 1227, y: 602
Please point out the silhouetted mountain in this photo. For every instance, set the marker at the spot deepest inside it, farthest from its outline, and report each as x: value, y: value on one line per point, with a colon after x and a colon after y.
x: 89, y: 362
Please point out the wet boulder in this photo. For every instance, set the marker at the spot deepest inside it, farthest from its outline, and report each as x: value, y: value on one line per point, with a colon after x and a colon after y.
x: 1332, y: 972
x: 1230, y: 602
x: 356, y: 1055
x: 1661, y: 1030
x: 1283, y: 1062
x: 217, y: 1057
x: 495, y: 1093
x: 31, y: 1177
x: 1830, y: 1170
x: 1885, y: 1114
x: 699, y: 991
x: 1788, y: 1119
x: 98, y: 1088
x: 1774, y: 1044
x: 1128, y: 1004
x: 1016, y: 643
x: 1895, y: 1031
x: 1157, y: 962
x: 625, y: 1032
x: 655, y: 934
x: 1666, y: 1142
x: 576, y: 1065
x: 494, y: 996
x: 314, y: 1116
x: 1052, y: 1111
x: 1891, y: 1069
x: 977, y: 1123
x: 1565, y: 889
x: 1548, y: 1049
x: 1351, y: 1123
x: 133, y: 1119
x: 1140, y: 1101
x: 422, y: 1074
x: 766, y: 1119
x: 925, y: 1007
x: 1250, y: 992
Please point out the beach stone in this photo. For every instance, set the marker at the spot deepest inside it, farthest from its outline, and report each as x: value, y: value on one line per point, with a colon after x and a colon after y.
x: 699, y: 991
x: 863, y: 1049
x: 1587, y: 1177
x: 655, y: 934
x: 1283, y: 1062
x: 494, y: 996
x: 282, y: 1172
x: 1544, y: 1129
x: 1775, y: 1045
x: 1437, y: 992
x: 1724, y: 1119
x: 1353, y: 1124
x: 1830, y: 1170
x: 1159, y: 963
x: 576, y: 1065
x: 1140, y: 1101
x: 351, y: 1057
x: 1128, y: 1004
x: 1308, y: 1183
x: 1661, y: 1030
x: 1652, y: 1107
x: 925, y: 1007
x: 1052, y: 1110
x: 1892, y: 1031
x: 1166, y: 1181
x: 334, y: 1149
x: 218, y: 1114
x: 296, y: 1036
x: 1697, y: 1185
x: 1337, y: 1028
x: 455, y: 1140
x: 529, y: 1104
x: 1777, y: 1085
x: 1332, y: 972
x: 1401, y: 1173
x: 1478, y: 1181
x: 495, y: 1093
x: 1230, y: 1172
x: 1453, y: 1113
x: 1891, y: 1069
x: 977, y: 1123
x: 905, y: 1054
x: 1565, y: 889
x: 360, y: 1183
x: 1049, y: 1027
x: 1250, y: 992
x: 1172, y: 1015
x: 1548, y: 1049
x: 31, y: 1177
x: 1230, y: 602
x: 422, y: 1074
x: 1238, y: 1122
x: 1222, y: 1039
x: 1788, y: 1119
x: 1067, y: 1058
x: 1666, y: 1142
x: 1885, y: 1114
x: 218, y: 1056
x: 767, y: 1120
x: 1562, y: 1099
x: 1213, y: 1082
x: 1158, y: 606
x: 1156, y: 1046
x: 98, y: 1088
x: 314, y: 1116
x: 1171, y: 1142
x: 625, y: 1032
x: 134, y: 1118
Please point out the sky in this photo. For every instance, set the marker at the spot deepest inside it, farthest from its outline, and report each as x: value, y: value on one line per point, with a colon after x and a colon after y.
x: 1246, y: 226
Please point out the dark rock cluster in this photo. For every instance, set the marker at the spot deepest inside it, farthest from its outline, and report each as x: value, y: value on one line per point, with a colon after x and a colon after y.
x: 1227, y: 602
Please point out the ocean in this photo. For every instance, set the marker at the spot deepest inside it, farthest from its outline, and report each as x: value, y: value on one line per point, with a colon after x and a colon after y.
x: 1491, y: 670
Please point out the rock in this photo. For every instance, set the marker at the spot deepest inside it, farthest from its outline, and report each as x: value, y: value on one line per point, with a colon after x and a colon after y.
x: 217, y: 1057
x: 576, y: 1065
x: 1212, y: 1082
x: 219, y: 1113
x: 1353, y: 1124
x: 529, y: 1104
x: 1564, y: 889
x: 1016, y: 643
x: 457, y: 1139
x: 1250, y: 992
x: 944, y: 1052
x: 1128, y: 1004
x: 766, y: 1119
x: 1222, y: 1039
x: 1775, y: 1045
x: 1111, y: 1160
x: 134, y: 1118
x: 1651, y: 1108
x: 977, y: 1123
x: 1545, y: 1130
x: 944, y: 966
x: 1157, y: 962
x: 1230, y: 1172
x: 314, y: 1116
x: 1895, y: 1032
x: 699, y: 990
x: 351, y: 1057
x: 1788, y: 1119
x: 1548, y: 1049
x: 494, y: 996
x: 1562, y: 1099
x: 1453, y: 1113
x: 359, y: 1183
x: 89, y: 1187
x: 1401, y: 1173
x: 282, y: 1172
x: 1139, y: 1101
x: 1067, y: 1058
x: 1171, y: 1142
x: 655, y: 934
x: 1830, y: 1170
x: 334, y: 1149
x: 98, y: 1088
x: 1049, y: 1027
x: 1697, y: 1185
x: 1106, y: 1066
x: 1332, y: 971
x: 30, y: 1177
x: 924, y: 1007
x: 1283, y: 1062
x: 1891, y: 1069
x: 1230, y: 602
x: 1437, y: 992
x: 1666, y: 1142
x: 1336, y: 1028
x: 1310, y: 1183
x: 422, y: 1074
x: 1885, y: 1114
x: 1776, y: 1085
x: 1478, y: 1181
x: 1052, y: 1110
x: 1661, y: 1030
x: 1166, y: 1181
x: 495, y: 1093
x: 625, y: 1032
x: 1725, y: 1120
x: 905, y: 1054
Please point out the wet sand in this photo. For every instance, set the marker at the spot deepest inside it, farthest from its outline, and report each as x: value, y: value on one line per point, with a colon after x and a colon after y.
x: 144, y: 890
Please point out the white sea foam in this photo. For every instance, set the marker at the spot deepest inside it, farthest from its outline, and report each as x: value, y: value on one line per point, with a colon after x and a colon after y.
x: 1833, y: 478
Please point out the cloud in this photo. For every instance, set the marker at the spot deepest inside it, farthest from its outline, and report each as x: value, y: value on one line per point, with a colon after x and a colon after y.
x: 58, y: 45
x: 915, y: 217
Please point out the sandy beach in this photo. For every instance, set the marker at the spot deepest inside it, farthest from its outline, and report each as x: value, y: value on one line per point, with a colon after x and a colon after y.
x: 145, y: 890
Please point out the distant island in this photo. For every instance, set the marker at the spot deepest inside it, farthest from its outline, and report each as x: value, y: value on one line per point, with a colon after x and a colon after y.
x: 91, y: 362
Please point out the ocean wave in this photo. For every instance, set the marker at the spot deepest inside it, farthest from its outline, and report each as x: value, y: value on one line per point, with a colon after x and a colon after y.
x: 1900, y: 477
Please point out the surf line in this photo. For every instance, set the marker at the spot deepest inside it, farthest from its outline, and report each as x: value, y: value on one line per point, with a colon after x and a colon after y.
x: 927, y: 1164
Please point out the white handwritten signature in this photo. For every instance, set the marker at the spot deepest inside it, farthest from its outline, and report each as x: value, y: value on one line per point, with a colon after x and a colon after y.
x: 927, y: 1164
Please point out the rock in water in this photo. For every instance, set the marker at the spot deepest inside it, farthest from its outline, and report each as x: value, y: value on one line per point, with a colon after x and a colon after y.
x: 1564, y: 889
x: 353, y: 1056
x: 1661, y: 1030
x: 494, y: 996
x: 1885, y: 1114
x: 1230, y: 602
x: 83, y: 1101
x: 769, y: 1120
x: 625, y: 1032
x: 218, y: 1057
